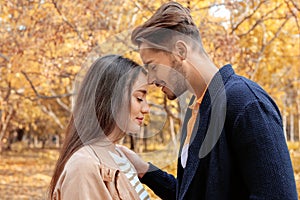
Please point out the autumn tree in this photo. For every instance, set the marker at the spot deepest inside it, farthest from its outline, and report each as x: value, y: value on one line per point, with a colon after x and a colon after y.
x: 47, y: 44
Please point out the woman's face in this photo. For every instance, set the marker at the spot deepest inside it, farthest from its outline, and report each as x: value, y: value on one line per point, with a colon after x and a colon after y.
x: 138, y: 105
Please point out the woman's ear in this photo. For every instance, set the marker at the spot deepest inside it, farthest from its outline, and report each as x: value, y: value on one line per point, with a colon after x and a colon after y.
x: 181, y: 50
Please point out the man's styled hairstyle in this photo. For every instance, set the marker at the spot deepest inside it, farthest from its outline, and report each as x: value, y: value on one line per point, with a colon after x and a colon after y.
x: 170, y: 21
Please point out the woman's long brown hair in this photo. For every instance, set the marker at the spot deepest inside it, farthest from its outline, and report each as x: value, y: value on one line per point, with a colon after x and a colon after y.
x: 93, y: 115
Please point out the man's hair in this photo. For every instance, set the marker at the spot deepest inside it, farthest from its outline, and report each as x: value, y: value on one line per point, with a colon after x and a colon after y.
x: 170, y: 21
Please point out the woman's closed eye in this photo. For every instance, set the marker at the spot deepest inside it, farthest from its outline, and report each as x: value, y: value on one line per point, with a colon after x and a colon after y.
x: 140, y: 99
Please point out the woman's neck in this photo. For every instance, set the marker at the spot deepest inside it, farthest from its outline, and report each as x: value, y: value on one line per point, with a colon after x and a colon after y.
x: 116, y: 135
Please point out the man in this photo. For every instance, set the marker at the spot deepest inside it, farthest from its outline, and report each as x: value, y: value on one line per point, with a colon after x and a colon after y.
x: 232, y: 144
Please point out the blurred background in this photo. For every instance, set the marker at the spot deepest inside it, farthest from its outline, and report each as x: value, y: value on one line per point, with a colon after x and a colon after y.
x: 46, y: 45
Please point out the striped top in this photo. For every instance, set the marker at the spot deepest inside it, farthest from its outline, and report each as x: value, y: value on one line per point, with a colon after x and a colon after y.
x: 130, y: 173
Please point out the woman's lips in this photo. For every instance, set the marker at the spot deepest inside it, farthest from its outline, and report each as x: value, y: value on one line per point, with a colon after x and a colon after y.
x: 140, y: 119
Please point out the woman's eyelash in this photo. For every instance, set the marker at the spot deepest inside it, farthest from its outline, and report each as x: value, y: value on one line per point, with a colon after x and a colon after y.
x: 139, y: 99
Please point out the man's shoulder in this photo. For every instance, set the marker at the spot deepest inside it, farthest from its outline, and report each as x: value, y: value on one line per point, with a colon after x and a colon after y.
x: 239, y: 87
x: 242, y: 92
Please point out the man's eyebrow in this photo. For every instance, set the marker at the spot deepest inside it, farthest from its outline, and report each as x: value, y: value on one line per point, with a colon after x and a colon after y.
x: 146, y: 64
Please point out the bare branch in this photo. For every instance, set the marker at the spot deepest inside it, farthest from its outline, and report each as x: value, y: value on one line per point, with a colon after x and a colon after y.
x: 52, y: 114
x: 295, y: 16
x: 67, y: 21
x: 284, y: 74
x: 212, y: 5
x: 4, y: 56
x: 43, y: 96
x: 137, y: 5
x: 260, y: 20
x: 295, y: 5
x: 276, y: 34
x: 6, y: 122
x: 265, y: 45
x: 62, y: 104
x: 8, y: 92
x: 247, y: 17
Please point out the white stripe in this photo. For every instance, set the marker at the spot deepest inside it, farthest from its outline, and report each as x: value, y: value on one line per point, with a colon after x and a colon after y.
x: 130, y: 173
x: 143, y: 195
x: 134, y: 181
x: 139, y: 188
x: 125, y: 168
x: 117, y: 158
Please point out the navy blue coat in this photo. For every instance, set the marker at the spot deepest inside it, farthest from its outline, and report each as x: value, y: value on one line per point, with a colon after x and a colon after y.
x: 237, y: 150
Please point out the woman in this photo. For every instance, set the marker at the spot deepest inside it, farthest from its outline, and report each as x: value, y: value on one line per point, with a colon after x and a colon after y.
x: 110, y: 103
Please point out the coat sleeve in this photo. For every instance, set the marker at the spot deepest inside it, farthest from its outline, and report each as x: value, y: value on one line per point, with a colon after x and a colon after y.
x: 160, y: 182
x: 82, y: 180
x: 263, y: 157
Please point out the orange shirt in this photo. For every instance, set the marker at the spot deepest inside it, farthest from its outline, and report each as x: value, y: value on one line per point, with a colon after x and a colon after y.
x: 190, y: 125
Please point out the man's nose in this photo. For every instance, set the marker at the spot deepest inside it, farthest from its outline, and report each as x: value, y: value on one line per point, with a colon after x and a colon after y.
x: 151, y: 78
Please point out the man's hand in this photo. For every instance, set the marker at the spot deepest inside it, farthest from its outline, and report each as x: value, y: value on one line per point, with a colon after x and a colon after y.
x: 140, y: 165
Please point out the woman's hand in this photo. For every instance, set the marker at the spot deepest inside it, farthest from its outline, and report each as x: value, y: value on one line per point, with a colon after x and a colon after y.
x: 140, y: 165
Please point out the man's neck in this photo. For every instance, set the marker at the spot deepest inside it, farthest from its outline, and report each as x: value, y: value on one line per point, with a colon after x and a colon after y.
x: 200, y: 74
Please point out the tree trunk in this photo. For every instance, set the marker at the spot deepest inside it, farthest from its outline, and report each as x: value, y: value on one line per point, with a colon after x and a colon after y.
x: 145, y: 138
x: 298, y: 113
x: 292, y: 133
x: 284, y: 120
x: 131, y: 142
x: 5, y: 122
x: 140, y: 141
x: 172, y: 130
x: 36, y: 141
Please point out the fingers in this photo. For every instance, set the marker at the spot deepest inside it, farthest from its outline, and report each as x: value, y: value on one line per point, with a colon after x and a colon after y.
x: 140, y: 165
x: 125, y: 150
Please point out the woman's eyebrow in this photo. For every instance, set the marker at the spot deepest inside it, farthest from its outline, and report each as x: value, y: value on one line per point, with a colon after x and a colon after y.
x: 142, y: 91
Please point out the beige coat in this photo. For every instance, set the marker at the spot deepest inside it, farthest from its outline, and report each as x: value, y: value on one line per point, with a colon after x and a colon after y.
x: 91, y: 174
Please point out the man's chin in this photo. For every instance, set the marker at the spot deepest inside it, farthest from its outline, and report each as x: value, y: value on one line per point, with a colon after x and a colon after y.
x: 173, y: 96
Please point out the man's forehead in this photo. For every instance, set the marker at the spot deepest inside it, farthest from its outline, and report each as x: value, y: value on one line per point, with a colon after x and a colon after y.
x: 144, y: 47
x: 147, y: 45
x: 147, y: 52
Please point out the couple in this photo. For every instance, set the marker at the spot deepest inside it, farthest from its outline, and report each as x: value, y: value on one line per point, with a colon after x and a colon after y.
x: 232, y: 141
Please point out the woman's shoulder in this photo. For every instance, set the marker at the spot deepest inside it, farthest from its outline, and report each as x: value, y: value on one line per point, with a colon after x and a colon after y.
x: 82, y: 160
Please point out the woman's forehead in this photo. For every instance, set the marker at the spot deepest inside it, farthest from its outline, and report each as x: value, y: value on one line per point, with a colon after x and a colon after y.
x: 141, y: 83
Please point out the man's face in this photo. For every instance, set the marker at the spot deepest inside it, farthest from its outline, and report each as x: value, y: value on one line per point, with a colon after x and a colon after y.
x: 164, y: 71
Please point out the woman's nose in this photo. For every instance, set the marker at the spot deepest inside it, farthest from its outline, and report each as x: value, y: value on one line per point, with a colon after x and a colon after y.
x: 145, y: 108
x: 150, y: 78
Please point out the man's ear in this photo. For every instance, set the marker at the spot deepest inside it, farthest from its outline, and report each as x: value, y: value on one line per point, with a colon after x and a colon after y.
x: 181, y: 50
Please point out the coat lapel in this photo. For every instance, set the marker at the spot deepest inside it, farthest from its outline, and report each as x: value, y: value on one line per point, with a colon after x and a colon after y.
x: 214, y: 101
x: 187, y: 116
x: 193, y: 158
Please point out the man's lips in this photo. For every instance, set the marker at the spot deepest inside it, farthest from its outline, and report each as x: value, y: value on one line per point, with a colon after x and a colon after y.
x: 163, y: 89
